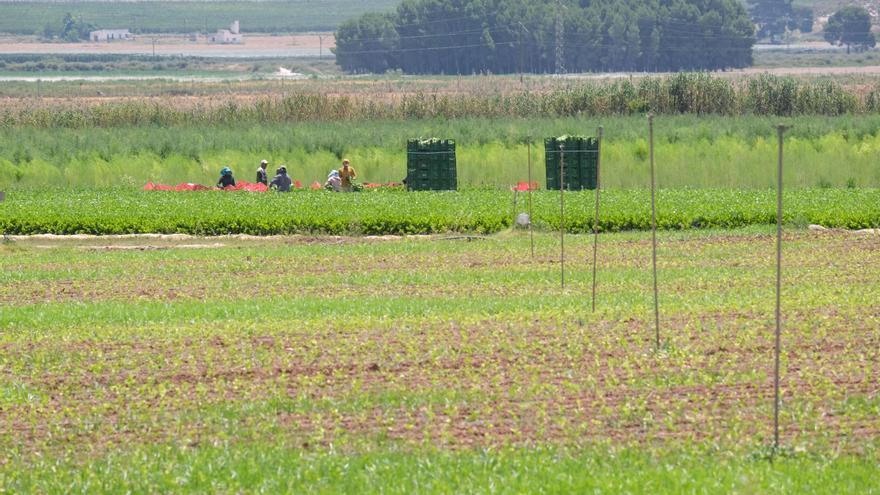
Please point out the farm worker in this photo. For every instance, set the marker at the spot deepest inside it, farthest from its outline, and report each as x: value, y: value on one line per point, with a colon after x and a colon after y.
x: 262, y: 175
x: 346, y: 174
x: 333, y: 180
x: 281, y: 181
x: 226, y: 178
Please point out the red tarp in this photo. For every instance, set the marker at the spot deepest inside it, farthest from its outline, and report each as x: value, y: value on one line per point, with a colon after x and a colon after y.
x: 244, y: 186
x: 524, y: 186
x: 189, y: 186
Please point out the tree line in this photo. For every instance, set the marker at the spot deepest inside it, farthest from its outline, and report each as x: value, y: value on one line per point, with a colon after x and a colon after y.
x: 508, y: 36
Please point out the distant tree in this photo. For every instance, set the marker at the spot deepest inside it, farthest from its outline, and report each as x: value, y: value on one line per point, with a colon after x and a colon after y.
x: 802, y: 19
x: 850, y: 26
x: 73, y: 29
x: 504, y: 36
x: 772, y: 17
x: 49, y: 32
x: 367, y: 44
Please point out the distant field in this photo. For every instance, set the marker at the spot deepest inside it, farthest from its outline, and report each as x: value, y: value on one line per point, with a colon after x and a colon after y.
x: 181, y: 17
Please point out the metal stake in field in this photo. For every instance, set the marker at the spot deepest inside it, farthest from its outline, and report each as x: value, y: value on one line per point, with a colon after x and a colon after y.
x: 654, y: 230
x: 531, y: 233
x: 596, y: 219
x: 562, y: 215
x: 780, y: 130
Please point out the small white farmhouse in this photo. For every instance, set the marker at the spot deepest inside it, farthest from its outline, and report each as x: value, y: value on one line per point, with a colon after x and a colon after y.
x: 226, y: 36
x: 110, y: 35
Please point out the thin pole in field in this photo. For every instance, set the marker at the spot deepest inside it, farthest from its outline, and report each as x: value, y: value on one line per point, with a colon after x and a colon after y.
x: 531, y: 233
x: 562, y: 215
x: 596, y: 218
x: 654, y: 230
x: 513, y: 222
x: 780, y: 129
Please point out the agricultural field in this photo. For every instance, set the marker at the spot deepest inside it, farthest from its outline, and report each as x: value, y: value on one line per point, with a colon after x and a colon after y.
x: 30, y: 17
x: 433, y: 364
x: 389, y: 341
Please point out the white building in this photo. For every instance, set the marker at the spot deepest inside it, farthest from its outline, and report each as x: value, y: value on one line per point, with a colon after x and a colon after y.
x: 231, y: 35
x: 110, y: 35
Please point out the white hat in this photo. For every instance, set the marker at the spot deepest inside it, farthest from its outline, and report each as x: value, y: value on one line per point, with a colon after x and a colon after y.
x: 264, y: 162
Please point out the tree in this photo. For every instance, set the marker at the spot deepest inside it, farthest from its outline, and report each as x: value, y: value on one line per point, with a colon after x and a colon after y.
x: 850, y: 26
x: 367, y: 44
x: 771, y: 17
x: 504, y: 36
x: 73, y: 29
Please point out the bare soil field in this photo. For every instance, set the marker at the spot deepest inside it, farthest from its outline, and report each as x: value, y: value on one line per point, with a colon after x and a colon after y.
x: 254, y: 46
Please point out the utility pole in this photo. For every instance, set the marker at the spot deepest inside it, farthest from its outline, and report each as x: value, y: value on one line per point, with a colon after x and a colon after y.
x: 522, y: 49
x: 320, y: 45
x: 560, y: 38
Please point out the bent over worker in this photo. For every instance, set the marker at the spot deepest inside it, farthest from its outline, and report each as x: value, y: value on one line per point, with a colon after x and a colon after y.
x: 281, y: 181
x: 226, y: 178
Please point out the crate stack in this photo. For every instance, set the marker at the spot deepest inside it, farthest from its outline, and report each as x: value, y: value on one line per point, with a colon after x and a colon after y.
x: 430, y: 165
x: 581, y: 155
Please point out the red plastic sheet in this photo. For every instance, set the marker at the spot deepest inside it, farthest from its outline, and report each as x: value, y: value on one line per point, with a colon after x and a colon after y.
x: 525, y: 186
x: 189, y: 186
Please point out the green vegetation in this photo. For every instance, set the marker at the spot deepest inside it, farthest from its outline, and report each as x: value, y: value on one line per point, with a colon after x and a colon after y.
x: 680, y: 94
x: 318, y: 365
x: 400, y: 212
x: 272, y: 16
x: 505, y: 36
x: 814, y: 58
x: 691, y: 151
x: 278, y: 470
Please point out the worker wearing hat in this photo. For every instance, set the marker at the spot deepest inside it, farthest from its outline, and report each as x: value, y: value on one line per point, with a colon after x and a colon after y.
x: 346, y: 175
x: 262, y: 175
x: 226, y: 178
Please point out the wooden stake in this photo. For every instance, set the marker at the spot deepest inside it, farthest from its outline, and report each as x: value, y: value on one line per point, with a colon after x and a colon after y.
x: 531, y: 233
x: 562, y: 215
x: 780, y: 129
x: 596, y: 218
x: 654, y: 231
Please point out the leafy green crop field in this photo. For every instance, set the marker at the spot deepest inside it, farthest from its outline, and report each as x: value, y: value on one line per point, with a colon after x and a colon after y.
x: 436, y: 365
x: 30, y: 17
x: 124, y: 211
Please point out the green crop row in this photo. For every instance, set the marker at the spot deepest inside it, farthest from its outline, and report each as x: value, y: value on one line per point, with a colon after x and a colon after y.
x: 116, y: 211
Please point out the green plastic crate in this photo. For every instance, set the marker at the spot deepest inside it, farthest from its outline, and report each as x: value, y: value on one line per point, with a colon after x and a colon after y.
x: 431, y: 165
x: 580, y: 155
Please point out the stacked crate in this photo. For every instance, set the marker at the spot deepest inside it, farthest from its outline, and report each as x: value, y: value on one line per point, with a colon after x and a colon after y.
x: 580, y: 155
x: 430, y: 165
